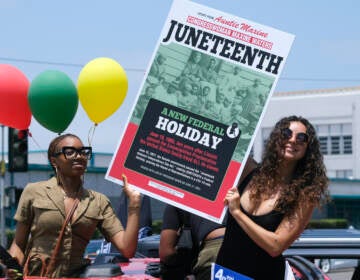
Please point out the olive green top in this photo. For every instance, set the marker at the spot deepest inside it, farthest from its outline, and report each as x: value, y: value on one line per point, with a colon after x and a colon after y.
x: 42, y: 207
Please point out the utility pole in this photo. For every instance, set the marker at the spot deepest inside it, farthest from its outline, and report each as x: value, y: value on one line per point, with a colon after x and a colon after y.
x: 2, y: 190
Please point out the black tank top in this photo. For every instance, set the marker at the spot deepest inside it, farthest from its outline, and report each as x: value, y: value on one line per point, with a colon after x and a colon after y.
x: 241, y: 254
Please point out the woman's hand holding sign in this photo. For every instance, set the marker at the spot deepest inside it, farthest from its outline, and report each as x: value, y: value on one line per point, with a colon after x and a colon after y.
x: 232, y: 199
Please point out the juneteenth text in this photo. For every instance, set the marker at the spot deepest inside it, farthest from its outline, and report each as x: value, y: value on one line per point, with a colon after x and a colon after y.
x: 223, y: 47
x: 189, y: 132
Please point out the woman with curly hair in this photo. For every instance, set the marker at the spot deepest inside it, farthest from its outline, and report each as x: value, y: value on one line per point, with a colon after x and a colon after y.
x: 273, y: 204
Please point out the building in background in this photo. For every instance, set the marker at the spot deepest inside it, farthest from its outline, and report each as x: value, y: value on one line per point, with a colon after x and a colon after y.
x: 335, y: 113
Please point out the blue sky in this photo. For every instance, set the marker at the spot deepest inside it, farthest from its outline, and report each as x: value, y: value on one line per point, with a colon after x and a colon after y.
x: 39, y: 35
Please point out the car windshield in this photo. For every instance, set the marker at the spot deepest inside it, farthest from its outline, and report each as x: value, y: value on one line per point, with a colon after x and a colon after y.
x: 93, y: 247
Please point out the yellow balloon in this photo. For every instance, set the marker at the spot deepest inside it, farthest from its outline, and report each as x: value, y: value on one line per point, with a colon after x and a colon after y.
x: 102, y: 88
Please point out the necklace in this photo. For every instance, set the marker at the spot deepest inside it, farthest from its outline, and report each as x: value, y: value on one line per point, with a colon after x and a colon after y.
x: 70, y: 194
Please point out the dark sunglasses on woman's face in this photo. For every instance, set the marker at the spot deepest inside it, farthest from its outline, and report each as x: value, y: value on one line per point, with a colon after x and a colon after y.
x: 72, y: 152
x: 301, y: 137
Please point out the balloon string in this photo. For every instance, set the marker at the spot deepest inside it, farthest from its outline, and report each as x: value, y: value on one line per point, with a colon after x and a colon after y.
x: 91, y: 133
x: 43, y: 154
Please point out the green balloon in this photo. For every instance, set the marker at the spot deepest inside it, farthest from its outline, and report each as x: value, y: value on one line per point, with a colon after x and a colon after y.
x: 53, y: 100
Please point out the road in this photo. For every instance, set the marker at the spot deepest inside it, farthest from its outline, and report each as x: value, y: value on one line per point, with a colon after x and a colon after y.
x: 341, y: 274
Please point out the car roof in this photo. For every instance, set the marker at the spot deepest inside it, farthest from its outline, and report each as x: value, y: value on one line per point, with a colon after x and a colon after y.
x: 326, y: 243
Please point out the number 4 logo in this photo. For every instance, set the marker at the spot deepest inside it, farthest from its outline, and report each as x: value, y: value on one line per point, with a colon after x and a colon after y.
x: 221, y: 273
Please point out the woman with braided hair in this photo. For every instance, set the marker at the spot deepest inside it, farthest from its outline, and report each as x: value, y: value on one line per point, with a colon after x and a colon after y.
x: 57, y: 218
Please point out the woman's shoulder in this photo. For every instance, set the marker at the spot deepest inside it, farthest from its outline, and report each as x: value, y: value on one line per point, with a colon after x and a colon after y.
x: 37, y: 189
x: 41, y: 184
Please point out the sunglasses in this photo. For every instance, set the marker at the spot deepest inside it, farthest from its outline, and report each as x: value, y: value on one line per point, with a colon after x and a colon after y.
x: 72, y: 152
x: 301, y: 137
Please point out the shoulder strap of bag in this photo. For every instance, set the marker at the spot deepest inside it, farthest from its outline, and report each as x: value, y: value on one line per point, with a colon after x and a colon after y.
x: 186, y: 221
x: 54, y: 254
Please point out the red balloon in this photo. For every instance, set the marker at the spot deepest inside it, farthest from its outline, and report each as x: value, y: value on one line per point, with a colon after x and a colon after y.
x: 14, y: 105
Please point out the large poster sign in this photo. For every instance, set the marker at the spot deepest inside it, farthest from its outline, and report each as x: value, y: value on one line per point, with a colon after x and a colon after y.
x: 198, y: 108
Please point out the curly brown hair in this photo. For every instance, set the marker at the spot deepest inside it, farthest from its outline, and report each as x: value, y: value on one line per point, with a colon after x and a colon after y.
x: 309, y: 183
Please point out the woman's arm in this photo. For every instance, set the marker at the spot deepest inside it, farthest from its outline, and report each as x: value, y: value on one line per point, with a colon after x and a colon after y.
x: 126, y: 241
x: 19, y: 243
x: 274, y: 243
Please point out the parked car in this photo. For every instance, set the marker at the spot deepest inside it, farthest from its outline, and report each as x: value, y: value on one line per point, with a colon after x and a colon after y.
x: 117, y: 267
x: 149, y: 268
x: 328, y: 265
x: 341, y: 247
x: 147, y: 257
x: 149, y: 246
x: 93, y: 249
x: 312, y: 245
x: 305, y: 269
